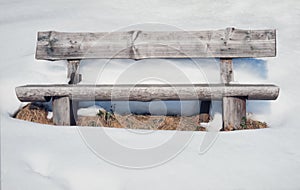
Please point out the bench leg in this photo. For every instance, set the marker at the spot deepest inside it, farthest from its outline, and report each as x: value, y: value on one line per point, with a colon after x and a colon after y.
x: 63, y: 114
x: 234, y: 110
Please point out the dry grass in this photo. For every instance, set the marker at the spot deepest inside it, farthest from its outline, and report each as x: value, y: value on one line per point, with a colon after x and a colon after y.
x: 34, y: 113
x: 181, y: 123
x: 252, y: 124
x: 37, y: 113
x: 144, y: 122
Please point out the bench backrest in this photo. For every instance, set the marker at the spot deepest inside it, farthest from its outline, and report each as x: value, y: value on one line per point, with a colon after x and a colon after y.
x: 228, y: 43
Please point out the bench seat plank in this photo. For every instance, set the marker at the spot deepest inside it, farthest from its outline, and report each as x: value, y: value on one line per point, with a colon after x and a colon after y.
x: 147, y: 92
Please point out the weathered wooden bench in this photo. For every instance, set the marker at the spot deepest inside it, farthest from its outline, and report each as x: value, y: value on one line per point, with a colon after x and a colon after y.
x: 223, y: 44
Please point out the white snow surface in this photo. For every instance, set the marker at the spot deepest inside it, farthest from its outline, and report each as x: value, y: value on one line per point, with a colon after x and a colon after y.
x: 35, y: 156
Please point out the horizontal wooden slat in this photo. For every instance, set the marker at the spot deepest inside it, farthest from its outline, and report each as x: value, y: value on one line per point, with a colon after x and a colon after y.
x: 230, y: 42
x: 146, y: 92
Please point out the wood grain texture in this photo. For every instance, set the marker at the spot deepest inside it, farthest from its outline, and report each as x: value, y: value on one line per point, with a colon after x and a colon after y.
x: 230, y: 42
x: 31, y: 93
x: 61, y: 111
x: 234, y: 110
x: 226, y: 71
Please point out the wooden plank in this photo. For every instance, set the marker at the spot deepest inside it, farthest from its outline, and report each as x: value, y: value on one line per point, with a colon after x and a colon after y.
x: 61, y: 111
x: 230, y: 42
x: 147, y: 92
x: 234, y: 108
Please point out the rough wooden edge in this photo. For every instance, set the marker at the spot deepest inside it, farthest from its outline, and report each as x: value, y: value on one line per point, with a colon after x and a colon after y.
x: 147, y: 92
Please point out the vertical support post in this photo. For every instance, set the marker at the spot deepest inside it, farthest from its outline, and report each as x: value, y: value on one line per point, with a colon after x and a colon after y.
x: 73, y: 71
x: 65, y: 109
x: 226, y: 70
x: 234, y: 108
x: 75, y: 78
x: 61, y: 111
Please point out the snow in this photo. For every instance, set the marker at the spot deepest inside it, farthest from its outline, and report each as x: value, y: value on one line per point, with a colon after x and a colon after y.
x: 35, y: 156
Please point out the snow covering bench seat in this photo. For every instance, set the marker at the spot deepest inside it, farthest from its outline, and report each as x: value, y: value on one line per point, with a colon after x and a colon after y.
x: 224, y: 44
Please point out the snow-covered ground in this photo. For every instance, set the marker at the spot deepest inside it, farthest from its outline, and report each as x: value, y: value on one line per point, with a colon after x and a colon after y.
x: 35, y: 156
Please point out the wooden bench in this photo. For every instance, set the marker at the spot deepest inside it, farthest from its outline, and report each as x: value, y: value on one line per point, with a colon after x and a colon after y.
x: 223, y: 44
